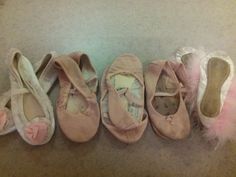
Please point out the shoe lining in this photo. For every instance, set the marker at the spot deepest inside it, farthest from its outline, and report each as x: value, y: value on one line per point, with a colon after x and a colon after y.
x: 127, y: 81
x: 166, y: 105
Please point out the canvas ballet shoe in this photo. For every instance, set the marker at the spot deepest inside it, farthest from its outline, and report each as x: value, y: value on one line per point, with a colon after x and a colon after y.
x: 31, y: 108
x: 77, y: 108
x: 165, y: 83
x: 46, y: 80
x: 122, y: 99
x: 216, y: 97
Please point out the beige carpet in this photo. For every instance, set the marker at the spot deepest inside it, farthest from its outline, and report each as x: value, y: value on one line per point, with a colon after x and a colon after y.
x: 104, y: 29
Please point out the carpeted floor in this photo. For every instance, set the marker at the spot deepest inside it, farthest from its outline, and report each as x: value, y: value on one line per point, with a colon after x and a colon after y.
x: 151, y: 29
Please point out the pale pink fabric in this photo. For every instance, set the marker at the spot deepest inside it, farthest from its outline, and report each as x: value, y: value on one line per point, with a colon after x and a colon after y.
x: 36, y: 132
x: 86, y: 66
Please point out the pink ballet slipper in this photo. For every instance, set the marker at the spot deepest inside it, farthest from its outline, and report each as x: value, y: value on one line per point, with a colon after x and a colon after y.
x: 36, y: 127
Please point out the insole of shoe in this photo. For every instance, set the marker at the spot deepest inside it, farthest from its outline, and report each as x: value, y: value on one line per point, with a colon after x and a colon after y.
x: 31, y: 106
x: 76, y: 102
x: 166, y: 105
x: 217, y: 72
x: 127, y: 81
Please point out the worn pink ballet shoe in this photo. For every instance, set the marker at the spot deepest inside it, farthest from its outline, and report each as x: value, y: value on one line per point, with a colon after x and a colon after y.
x: 122, y: 99
x: 77, y: 108
x: 46, y: 74
x: 166, y: 87
x: 30, y: 104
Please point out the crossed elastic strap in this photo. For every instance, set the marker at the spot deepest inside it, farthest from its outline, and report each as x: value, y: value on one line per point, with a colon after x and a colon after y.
x: 47, y: 74
x: 179, y: 89
x: 176, y: 71
x: 82, y: 59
